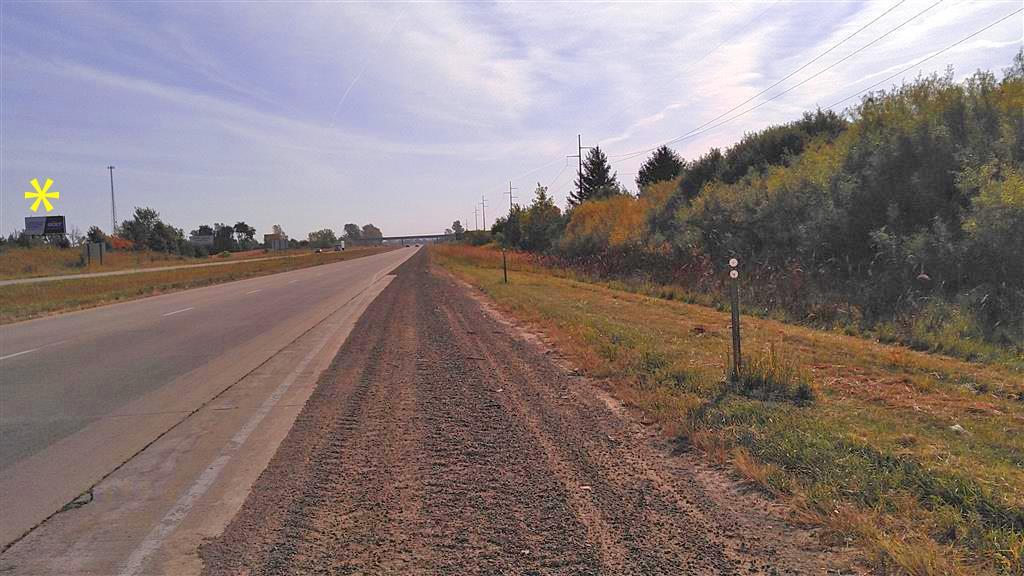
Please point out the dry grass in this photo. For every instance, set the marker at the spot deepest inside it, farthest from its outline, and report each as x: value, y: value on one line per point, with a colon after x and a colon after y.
x: 916, y: 458
x: 16, y: 262
x: 24, y: 301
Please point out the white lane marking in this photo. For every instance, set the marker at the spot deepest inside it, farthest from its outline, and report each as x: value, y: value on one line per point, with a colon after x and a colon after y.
x: 19, y: 353
x: 292, y: 281
x: 158, y: 535
x: 179, y: 311
x: 255, y: 291
x: 51, y: 344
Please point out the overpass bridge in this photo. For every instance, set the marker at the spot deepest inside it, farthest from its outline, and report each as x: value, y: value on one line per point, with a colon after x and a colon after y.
x: 412, y: 238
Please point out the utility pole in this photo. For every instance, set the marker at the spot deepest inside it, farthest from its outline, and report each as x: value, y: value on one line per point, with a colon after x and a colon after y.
x: 510, y: 189
x: 483, y: 209
x: 476, y: 219
x: 579, y: 155
x: 113, y: 208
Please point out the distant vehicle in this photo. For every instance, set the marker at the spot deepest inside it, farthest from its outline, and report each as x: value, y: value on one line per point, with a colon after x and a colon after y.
x: 340, y: 247
x: 319, y: 250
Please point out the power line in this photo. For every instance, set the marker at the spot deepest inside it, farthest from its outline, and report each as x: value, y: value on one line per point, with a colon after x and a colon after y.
x: 923, y: 60
x: 706, y: 54
x: 699, y: 129
x: 731, y: 118
x: 559, y: 175
x: 701, y: 59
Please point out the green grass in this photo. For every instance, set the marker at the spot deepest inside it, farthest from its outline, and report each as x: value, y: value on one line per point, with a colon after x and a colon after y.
x: 917, y: 458
x: 25, y: 301
x: 17, y: 262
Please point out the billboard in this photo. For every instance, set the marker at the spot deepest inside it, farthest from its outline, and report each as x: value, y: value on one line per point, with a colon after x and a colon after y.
x: 275, y: 241
x: 205, y: 241
x: 41, y: 225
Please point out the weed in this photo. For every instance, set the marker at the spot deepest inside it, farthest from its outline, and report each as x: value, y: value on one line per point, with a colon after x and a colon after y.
x: 854, y: 434
x: 770, y: 376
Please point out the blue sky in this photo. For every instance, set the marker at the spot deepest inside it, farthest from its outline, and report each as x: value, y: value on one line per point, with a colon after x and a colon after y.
x: 311, y: 115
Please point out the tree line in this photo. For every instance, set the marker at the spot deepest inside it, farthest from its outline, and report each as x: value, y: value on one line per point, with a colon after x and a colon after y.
x: 903, y: 217
x: 145, y: 230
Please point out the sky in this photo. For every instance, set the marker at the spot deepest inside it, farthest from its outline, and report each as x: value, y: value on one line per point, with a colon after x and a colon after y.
x: 409, y: 115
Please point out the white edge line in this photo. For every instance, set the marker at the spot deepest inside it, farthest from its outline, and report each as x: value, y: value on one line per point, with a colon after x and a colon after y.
x: 292, y: 281
x: 159, y: 534
x: 255, y: 291
x: 179, y: 311
x: 181, y: 508
x: 18, y: 353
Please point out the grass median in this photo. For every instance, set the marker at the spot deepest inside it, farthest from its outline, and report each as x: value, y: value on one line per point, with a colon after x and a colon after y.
x: 917, y: 459
x: 16, y: 262
x: 25, y: 301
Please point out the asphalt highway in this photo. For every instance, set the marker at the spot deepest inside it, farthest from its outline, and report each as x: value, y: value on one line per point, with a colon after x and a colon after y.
x: 81, y: 393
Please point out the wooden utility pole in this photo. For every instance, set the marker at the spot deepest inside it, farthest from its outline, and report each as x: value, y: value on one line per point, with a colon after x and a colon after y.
x: 113, y: 209
x: 579, y: 156
x: 510, y: 189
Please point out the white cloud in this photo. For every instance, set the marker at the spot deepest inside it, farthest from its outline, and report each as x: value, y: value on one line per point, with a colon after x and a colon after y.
x: 445, y: 99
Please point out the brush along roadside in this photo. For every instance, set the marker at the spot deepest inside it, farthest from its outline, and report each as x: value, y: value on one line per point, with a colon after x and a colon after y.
x: 25, y: 301
x: 916, y: 458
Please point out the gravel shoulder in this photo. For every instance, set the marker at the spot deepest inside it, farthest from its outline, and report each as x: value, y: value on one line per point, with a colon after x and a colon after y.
x: 444, y: 440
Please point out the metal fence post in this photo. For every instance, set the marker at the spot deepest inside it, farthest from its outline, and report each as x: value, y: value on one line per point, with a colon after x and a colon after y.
x: 737, y: 362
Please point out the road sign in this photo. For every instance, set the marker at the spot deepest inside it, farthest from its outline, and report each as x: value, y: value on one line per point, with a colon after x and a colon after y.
x: 42, y: 225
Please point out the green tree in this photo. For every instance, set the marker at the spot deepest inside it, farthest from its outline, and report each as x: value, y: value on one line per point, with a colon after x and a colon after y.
x: 244, y: 233
x: 597, y: 180
x: 664, y: 164
x: 699, y: 172
x: 322, y: 238
x: 353, y: 232
x: 223, y: 237
x: 140, y: 227
x: 371, y: 232
x: 203, y: 230
x: 96, y: 235
x: 542, y: 222
x: 458, y: 229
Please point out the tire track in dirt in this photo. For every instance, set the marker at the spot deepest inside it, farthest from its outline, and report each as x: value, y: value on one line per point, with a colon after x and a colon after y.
x: 441, y: 442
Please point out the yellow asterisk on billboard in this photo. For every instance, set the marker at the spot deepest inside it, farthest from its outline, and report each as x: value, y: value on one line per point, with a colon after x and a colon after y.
x: 42, y: 195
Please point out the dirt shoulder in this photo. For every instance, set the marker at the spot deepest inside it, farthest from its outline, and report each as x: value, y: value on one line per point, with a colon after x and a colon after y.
x: 441, y: 440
